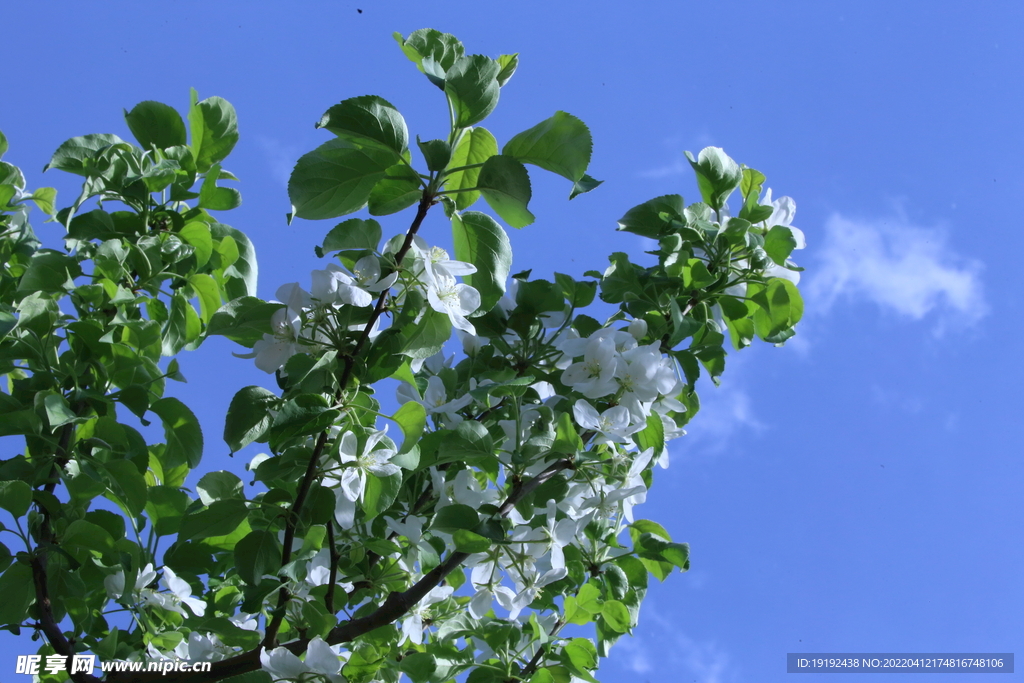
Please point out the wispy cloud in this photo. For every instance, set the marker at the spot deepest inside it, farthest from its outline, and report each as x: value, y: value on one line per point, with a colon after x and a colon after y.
x: 666, y: 653
x: 906, y: 269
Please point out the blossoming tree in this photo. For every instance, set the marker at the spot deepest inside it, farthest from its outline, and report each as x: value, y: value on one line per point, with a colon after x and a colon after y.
x: 460, y: 530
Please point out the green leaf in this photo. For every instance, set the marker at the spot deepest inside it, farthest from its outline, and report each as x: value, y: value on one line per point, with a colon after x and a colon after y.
x: 578, y: 294
x: 367, y: 119
x: 353, y: 234
x: 208, y: 292
x: 508, y: 64
x: 155, y: 124
x: 198, y: 235
x: 583, y: 185
x: 505, y: 185
x: 750, y: 187
x: 244, y: 320
x: 437, y: 153
x: 73, y: 155
x: 399, y: 189
x: 470, y: 440
x: 243, y: 272
x: 428, y: 335
x: 653, y: 435
x: 216, y: 198
x: 220, y: 485
x: 219, y: 519
x: 257, y: 554
x: 58, y: 412
x: 165, y: 506
x: 782, y: 307
x: 249, y: 417
x: 130, y: 489
x: 481, y: 241
x: 412, y: 418
x: 182, y: 432
x: 50, y: 271
x: 380, y: 493
x: 560, y: 144
x: 580, y: 656
x: 439, y: 50
x: 616, y: 616
x: 472, y: 88
x: 696, y: 275
x: 475, y: 146
x: 419, y: 666
x: 214, y: 126
x: 654, y: 217
x: 779, y: 243
x: 717, y: 175
x: 3, y: 144
x: 15, y: 497
x: 44, y: 198
x: 303, y: 415
x: 469, y: 542
x: 82, y: 538
x: 19, y: 593
x: 451, y: 518
x: 336, y: 178
x: 183, y: 325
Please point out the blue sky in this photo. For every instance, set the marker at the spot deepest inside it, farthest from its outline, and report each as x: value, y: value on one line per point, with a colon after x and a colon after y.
x: 856, y: 491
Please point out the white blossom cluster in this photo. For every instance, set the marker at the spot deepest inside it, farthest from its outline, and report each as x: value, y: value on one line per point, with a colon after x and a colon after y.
x: 300, y: 324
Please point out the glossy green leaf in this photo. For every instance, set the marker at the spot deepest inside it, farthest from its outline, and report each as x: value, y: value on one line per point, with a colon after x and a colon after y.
x: 782, y: 307
x: 750, y: 187
x: 181, y: 431
x: 244, y: 320
x: 481, y: 241
x: 380, y: 493
x: 475, y: 146
x: 353, y: 234
x: 155, y: 124
x: 183, y: 326
x: 58, y: 412
x: 451, y: 518
x: 214, y: 127
x: 198, y: 235
x: 471, y: 85
x: 505, y: 185
x: 165, y: 507
x: 437, y: 153
x: 216, y: 198
x: 653, y: 435
x: 440, y: 50
x: 412, y: 418
x: 616, y: 616
x: 561, y: 144
x: 74, y: 155
x: 336, y: 178
x: 470, y: 440
x: 257, y: 554
x: 242, y: 274
x: 508, y: 64
x: 717, y: 175
x: 399, y: 189
x: 779, y: 243
x: 81, y: 539
x: 427, y: 336
x: 469, y: 542
x: 44, y: 198
x: 249, y: 417
x: 50, y: 271
x: 220, y: 485
x: 367, y: 119
x: 654, y: 217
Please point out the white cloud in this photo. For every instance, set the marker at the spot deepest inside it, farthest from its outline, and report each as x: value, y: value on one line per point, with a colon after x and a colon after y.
x: 664, y: 652
x: 905, y: 269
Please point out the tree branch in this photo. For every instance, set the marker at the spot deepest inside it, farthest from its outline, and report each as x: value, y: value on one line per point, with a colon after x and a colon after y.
x: 394, y: 606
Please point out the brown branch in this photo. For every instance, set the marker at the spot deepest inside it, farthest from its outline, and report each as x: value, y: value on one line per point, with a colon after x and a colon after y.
x: 284, y: 595
x: 393, y: 608
x: 49, y: 625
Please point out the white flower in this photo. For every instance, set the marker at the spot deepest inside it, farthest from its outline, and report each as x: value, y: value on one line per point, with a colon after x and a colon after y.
x: 454, y: 299
x: 613, y: 425
x: 321, y: 659
x: 436, y: 263
x: 412, y: 625
x: 435, y: 400
x: 594, y: 376
x: 274, y: 350
x: 352, y: 479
